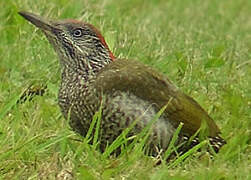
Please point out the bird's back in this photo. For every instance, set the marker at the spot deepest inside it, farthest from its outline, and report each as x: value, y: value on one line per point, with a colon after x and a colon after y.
x: 147, y: 84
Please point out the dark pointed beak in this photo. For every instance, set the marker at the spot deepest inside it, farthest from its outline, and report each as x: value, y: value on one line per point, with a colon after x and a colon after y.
x: 38, y: 21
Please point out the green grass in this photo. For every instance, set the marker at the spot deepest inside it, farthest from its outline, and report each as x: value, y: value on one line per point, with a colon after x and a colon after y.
x: 204, y: 46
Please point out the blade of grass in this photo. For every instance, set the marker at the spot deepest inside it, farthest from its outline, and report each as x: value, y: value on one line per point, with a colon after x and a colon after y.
x: 171, y: 146
x: 146, y: 131
x: 9, y: 106
x: 188, y: 153
x: 98, y: 116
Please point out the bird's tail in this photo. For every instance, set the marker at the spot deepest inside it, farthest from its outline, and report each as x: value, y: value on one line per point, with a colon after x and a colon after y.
x: 215, y: 142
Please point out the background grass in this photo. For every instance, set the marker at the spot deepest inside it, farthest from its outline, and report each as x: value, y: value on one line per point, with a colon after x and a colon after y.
x: 204, y: 46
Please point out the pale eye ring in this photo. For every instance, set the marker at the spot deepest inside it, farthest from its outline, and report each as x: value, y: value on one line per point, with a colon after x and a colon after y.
x: 77, y: 32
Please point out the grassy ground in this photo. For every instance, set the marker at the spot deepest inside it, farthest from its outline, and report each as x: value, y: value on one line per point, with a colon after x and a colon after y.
x: 204, y: 46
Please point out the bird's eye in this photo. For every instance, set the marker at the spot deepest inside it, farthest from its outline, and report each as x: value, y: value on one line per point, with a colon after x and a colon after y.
x: 77, y: 32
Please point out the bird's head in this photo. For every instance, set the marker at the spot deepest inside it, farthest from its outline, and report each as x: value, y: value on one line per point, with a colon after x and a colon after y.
x: 79, y: 45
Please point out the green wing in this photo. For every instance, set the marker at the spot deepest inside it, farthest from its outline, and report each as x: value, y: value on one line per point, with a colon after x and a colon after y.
x: 146, y: 83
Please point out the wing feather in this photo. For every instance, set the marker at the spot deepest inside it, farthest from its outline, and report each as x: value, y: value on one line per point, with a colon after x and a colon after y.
x: 146, y: 83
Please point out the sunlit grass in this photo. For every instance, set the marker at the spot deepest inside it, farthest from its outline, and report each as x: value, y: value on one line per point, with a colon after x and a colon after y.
x: 204, y: 47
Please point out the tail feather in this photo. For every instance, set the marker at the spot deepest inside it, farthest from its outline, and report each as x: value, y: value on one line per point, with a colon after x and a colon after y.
x: 216, y: 142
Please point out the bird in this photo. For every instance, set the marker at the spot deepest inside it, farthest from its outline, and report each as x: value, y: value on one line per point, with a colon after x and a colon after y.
x: 128, y: 91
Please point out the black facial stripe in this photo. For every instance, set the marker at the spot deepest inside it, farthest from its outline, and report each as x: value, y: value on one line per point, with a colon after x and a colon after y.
x: 66, y: 44
x: 69, y: 48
